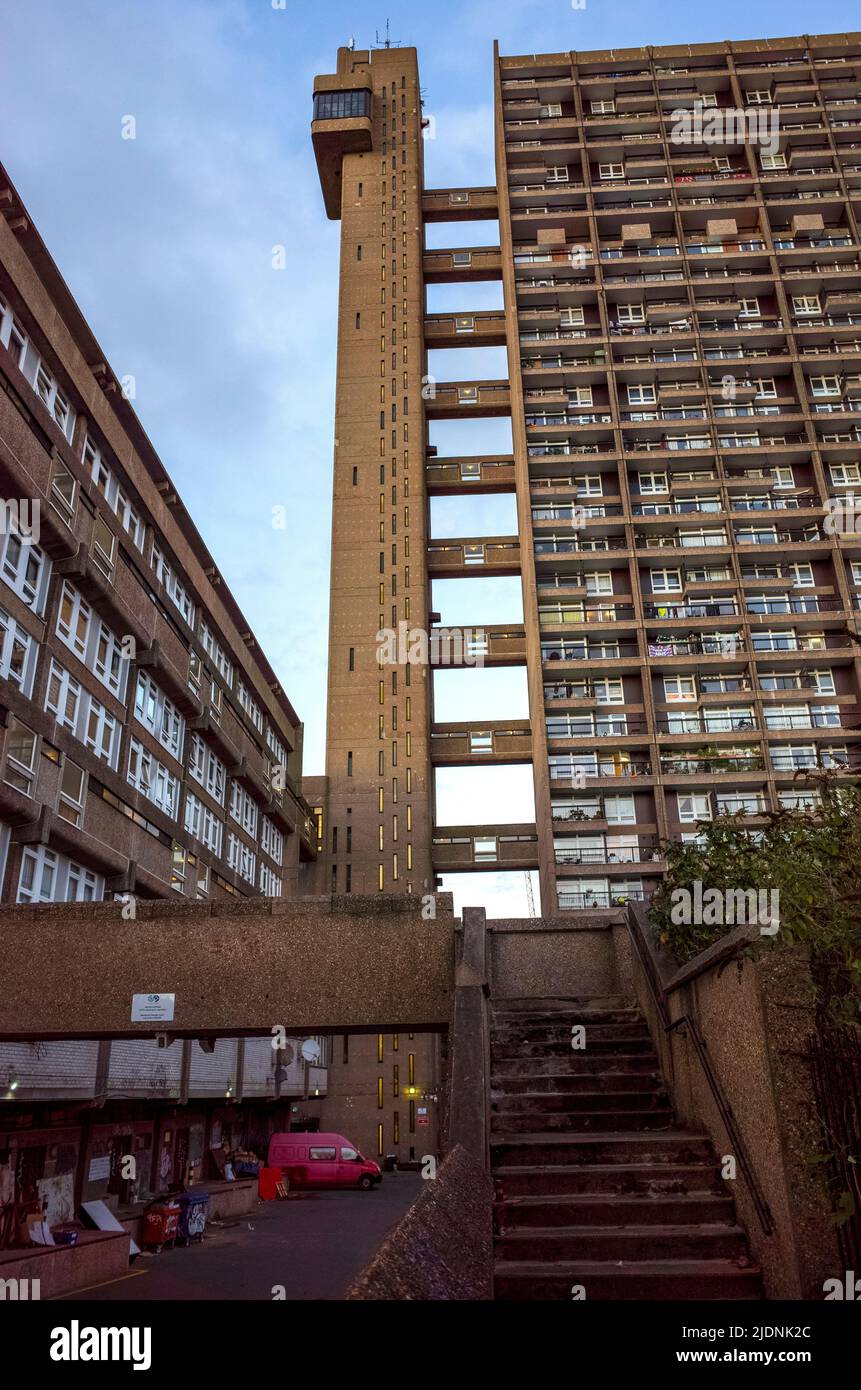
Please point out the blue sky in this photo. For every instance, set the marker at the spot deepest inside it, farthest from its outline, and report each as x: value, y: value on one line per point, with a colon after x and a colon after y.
x: 166, y: 241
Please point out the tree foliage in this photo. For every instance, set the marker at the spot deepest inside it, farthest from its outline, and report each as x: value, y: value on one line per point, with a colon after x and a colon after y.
x: 813, y: 859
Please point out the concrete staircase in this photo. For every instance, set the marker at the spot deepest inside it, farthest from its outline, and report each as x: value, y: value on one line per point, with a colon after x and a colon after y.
x: 595, y: 1182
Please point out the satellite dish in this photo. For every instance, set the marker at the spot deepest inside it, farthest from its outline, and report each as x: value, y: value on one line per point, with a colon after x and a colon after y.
x: 310, y: 1050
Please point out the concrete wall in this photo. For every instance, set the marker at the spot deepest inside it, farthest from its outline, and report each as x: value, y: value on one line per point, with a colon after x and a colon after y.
x: 312, y: 965
x: 755, y: 1017
x: 553, y: 956
x: 443, y: 1248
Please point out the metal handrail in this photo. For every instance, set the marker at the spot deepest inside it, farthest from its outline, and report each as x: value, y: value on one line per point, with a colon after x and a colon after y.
x: 670, y: 1025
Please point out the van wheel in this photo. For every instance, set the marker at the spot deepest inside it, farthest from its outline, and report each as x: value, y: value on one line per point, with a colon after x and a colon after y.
x: 365, y: 1183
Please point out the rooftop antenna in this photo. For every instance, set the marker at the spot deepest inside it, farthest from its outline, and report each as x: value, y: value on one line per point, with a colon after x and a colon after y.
x: 351, y: 43
x: 387, y: 42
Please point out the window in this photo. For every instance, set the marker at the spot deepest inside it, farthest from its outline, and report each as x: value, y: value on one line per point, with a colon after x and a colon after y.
x: 611, y: 171
x: 64, y: 490
x: 20, y: 768
x: 653, y: 482
x: 270, y: 883
x: 48, y: 877
x: 202, y: 823
x: 195, y: 672
x: 772, y: 161
x: 680, y: 688
x: 241, y: 858
x: 158, y: 714
x: 45, y: 385
x: 694, y: 807
x: 630, y: 313
x: 207, y: 769
x: 153, y: 779
x: 251, y: 707
x: 606, y: 107
x: 272, y: 841
x: 758, y: 98
x: 17, y: 654
x: 340, y: 106
x: 179, y: 865
x: 72, y: 793
x: 619, y: 810
x: 114, y: 492
x: 642, y: 395
x: 175, y: 589
x: 844, y: 474
x: 580, y: 395
x: 25, y: 567
x: 806, y: 304
x: 666, y: 581
x: 573, y: 317
x: 101, y: 731
x: 243, y: 808
x: 599, y: 582
x: 216, y: 653
x: 104, y: 547
x: 749, y: 309
x: 91, y: 640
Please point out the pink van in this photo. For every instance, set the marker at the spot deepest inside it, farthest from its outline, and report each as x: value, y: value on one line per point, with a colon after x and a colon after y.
x: 322, y: 1160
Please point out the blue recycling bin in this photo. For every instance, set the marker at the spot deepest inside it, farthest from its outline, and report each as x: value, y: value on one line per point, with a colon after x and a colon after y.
x: 192, y: 1216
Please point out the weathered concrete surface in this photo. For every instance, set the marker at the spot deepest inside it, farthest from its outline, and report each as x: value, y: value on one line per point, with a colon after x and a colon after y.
x: 312, y: 964
x: 99, y: 1256
x: 443, y: 1248
x: 549, y: 957
x: 755, y: 1017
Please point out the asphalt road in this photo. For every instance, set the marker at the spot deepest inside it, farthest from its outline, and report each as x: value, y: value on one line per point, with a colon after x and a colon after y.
x: 313, y: 1244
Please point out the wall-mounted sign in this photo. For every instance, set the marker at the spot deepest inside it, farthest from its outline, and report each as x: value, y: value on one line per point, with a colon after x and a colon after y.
x: 100, y: 1168
x: 153, y: 1008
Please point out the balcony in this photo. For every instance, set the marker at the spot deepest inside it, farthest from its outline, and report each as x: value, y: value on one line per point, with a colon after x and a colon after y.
x: 457, y: 400
x: 445, y: 477
x: 463, y: 848
x: 484, y: 328
x: 462, y: 264
x: 474, y: 745
x: 460, y: 204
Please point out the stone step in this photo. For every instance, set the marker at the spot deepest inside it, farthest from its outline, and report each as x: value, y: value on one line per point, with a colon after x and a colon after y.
x: 540, y: 1008
x: 607, y: 1209
x: 575, y: 1123
x: 524, y: 1149
x: 655, y: 1177
x: 601, y: 1029
x: 515, y: 1023
x: 599, y: 1063
x: 550, y: 1102
x: 576, y: 1083
x: 515, y: 1049
x: 626, y: 1243
x: 645, y: 1280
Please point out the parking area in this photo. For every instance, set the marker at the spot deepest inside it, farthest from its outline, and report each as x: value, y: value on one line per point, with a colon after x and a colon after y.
x: 311, y: 1246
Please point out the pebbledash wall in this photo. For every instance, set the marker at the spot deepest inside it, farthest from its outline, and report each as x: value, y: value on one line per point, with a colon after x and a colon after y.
x: 147, y: 748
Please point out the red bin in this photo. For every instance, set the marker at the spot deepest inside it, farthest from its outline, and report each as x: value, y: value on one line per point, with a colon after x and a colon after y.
x: 267, y: 1183
x: 161, y: 1222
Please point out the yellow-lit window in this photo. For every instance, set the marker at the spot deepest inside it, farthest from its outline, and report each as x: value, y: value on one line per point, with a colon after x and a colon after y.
x: 394, y: 827
x: 383, y: 693
x: 406, y: 608
x: 379, y: 1140
x: 409, y: 736
x: 380, y: 1041
x: 380, y: 878
x: 382, y: 501
x: 409, y: 856
x: 395, y: 1041
x: 409, y: 779
x: 394, y: 866
x: 382, y: 593
x: 381, y: 837
x: 396, y: 1127
x: 382, y: 726
x: 409, y: 709
x: 406, y: 547
x: 412, y: 1068
x: 396, y: 1083
x: 406, y: 516
x: 381, y: 800
x: 409, y: 818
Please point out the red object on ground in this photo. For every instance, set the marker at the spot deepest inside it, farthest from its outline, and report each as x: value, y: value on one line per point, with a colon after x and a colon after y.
x: 267, y: 1181
x: 161, y: 1221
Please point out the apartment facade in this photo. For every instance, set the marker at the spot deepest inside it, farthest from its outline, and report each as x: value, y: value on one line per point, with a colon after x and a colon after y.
x: 147, y: 750
x: 147, y: 746
x: 680, y: 263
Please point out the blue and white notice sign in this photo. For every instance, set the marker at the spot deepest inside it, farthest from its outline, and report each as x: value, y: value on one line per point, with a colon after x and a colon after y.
x: 153, y: 1008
